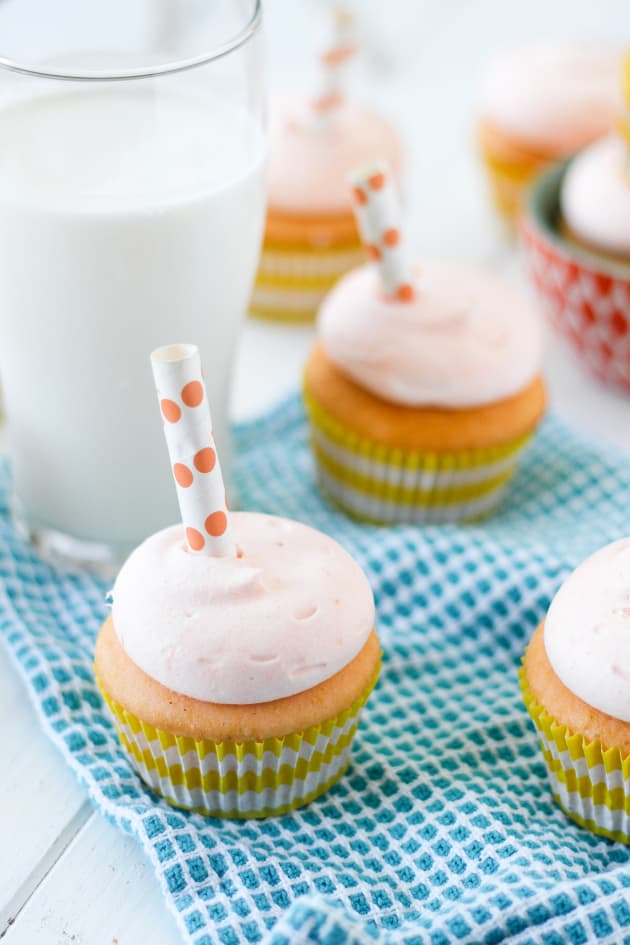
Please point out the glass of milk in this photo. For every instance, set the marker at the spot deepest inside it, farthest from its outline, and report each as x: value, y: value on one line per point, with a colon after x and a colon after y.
x: 131, y: 210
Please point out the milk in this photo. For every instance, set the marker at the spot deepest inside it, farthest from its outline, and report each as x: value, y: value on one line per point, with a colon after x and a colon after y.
x: 129, y: 218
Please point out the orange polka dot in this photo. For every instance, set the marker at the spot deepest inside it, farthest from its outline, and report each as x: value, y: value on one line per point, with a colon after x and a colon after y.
x: 391, y: 237
x: 192, y: 394
x: 338, y: 55
x: 377, y: 181
x: 183, y: 475
x: 170, y: 410
x: 195, y: 539
x: 405, y: 293
x: 205, y: 459
x: 216, y: 524
x: 373, y: 252
x: 360, y: 196
x: 327, y: 102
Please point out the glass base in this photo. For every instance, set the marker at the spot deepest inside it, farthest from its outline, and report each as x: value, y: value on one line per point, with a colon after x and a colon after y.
x: 101, y: 559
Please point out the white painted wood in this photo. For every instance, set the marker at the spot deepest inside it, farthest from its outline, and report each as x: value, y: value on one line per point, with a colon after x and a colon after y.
x: 103, y: 892
x: 41, y: 803
x: 603, y: 413
x: 73, y: 875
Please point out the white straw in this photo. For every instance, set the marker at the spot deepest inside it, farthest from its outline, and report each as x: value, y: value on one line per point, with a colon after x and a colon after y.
x: 194, y: 460
x: 378, y: 216
x: 333, y: 62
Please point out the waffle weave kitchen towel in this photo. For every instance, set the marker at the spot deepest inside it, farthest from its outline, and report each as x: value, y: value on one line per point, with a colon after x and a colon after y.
x: 444, y: 829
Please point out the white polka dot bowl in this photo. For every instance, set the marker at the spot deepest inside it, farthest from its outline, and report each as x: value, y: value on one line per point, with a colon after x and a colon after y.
x: 587, y: 296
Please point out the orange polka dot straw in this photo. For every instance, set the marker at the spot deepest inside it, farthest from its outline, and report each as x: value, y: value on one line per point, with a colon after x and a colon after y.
x: 333, y: 62
x: 378, y: 216
x: 194, y: 462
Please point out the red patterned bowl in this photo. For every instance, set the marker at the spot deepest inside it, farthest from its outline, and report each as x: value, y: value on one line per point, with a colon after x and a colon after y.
x: 587, y: 296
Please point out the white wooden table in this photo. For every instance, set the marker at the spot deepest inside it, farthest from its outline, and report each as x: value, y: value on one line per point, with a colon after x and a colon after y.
x: 65, y: 874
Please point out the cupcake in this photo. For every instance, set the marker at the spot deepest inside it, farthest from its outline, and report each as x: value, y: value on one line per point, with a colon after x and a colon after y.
x: 240, y: 647
x: 576, y: 684
x: 595, y: 201
x: 311, y: 238
x: 540, y: 103
x: 577, y: 239
x: 424, y: 385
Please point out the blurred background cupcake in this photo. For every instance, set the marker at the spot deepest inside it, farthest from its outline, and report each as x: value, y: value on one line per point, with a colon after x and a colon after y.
x: 310, y: 237
x: 424, y: 385
x: 577, y: 238
x: 576, y: 684
x: 541, y: 102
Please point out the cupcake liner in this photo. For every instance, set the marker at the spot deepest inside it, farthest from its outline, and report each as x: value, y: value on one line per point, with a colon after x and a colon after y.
x: 379, y: 484
x: 588, y: 302
x: 509, y: 181
x: 291, y: 285
x: 589, y: 782
x: 286, y: 304
x: 239, y: 779
x: 284, y: 265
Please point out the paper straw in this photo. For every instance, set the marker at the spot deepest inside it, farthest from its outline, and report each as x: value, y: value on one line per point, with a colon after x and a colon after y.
x: 194, y: 461
x: 333, y: 62
x: 377, y: 211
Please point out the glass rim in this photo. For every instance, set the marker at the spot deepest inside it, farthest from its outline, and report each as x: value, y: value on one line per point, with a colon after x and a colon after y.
x: 143, y: 72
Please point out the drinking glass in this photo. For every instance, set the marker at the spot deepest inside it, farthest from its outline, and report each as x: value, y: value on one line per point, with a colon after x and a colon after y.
x: 131, y: 213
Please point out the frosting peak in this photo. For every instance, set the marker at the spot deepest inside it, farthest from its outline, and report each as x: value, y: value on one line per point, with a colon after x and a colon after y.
x: 587, y: 631
x: 466, y: 340
x: 289, y: 612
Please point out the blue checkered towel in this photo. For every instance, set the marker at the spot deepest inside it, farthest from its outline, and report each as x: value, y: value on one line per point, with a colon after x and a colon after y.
x: 443, y: 830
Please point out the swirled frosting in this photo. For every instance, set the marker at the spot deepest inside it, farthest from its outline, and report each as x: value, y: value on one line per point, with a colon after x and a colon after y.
x: 286, y: 614
x: 587, y: 631
x: 555, y: 95
x: 595, y: 198
x: 309, y: 159
x: 466, y: 340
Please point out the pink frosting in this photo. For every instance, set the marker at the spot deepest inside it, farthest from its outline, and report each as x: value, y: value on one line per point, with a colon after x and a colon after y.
x: 286, y: 615
x: 587, y: 630
x: 595, y: 197
x: 467, y: 339
x: 310, y: 158
x: 554, y: 95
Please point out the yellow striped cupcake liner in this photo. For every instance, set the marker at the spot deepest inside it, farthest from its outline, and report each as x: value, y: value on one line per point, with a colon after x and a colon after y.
x: 507, y: 196
x: 509, y: 181
x: 384, y: 486
x: 589, y: 782
x: 623, y: 126
x: 239, y: 779
x: 282, y: 265
x: 290, y: 285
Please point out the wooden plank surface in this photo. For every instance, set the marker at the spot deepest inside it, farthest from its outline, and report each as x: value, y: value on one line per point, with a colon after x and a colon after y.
x: 102, y: 892
x: 41, y: 803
